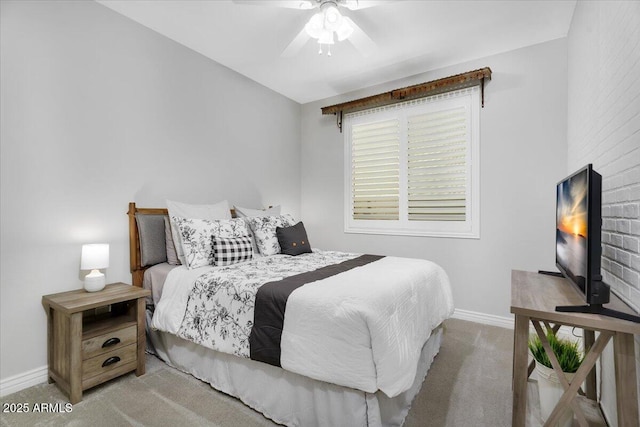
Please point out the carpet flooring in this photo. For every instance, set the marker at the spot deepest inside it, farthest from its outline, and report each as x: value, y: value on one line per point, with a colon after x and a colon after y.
x: 469, y: 384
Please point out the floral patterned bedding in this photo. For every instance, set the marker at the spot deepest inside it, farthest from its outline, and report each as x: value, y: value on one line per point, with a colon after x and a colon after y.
x: 363, y: 329
x: 219, y: 313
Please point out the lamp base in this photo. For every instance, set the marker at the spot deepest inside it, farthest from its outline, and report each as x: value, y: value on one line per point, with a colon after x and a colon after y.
x: 94, y: 281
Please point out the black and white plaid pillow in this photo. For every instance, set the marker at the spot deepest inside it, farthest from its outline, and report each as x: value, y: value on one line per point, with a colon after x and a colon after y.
x: 231, y: 250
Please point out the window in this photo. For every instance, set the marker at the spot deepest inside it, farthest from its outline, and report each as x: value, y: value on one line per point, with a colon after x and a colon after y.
x: 413, y: 168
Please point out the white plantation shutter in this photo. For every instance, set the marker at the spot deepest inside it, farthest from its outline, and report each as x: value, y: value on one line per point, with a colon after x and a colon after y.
x: 437, y: 167
x: 375, y: 170
x: 413, y: 168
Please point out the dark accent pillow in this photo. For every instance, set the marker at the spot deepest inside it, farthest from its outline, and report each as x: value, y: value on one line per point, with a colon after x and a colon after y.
x: 293, y: 240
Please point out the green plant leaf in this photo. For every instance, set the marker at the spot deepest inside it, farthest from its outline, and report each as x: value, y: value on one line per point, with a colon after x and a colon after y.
x: 566, y: 351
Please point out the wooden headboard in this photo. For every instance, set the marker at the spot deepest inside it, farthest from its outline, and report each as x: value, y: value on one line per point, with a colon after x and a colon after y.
x: 137, y: 270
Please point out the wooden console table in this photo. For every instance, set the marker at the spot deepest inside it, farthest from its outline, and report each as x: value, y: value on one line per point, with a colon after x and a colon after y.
x: 533, y: 300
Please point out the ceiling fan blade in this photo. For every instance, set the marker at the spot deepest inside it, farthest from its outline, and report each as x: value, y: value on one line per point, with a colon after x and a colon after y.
x: 289, y: 4
x: 362, y: 4
x: 296, y: 44
x: 360, y: 40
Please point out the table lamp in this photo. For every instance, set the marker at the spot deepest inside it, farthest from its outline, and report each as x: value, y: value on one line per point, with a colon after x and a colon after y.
x: 94, y: 257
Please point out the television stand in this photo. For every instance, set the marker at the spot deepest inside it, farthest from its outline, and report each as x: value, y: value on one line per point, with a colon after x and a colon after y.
x: 534, y: 298
x: 550, y: 273
x: 598, y: 309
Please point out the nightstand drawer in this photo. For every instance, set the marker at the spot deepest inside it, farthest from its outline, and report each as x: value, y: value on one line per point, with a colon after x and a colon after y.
x: 107, y: 362
x: 109, y: 341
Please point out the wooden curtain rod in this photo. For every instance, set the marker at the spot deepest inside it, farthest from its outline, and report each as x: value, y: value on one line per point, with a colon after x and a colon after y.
x: 447, y: 84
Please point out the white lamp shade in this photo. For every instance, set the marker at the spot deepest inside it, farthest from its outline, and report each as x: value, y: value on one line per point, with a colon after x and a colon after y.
x: 326, y: 37
x: 315, y: 25
x: 344, y: 31
x: 94, y: 256
x: 323, y: 24
x: 332, y: 18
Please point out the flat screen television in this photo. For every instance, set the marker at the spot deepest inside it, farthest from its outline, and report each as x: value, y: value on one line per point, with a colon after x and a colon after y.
x: 578, y: 241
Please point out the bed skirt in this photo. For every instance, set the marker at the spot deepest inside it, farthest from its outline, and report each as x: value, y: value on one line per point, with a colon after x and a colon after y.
x: 288, y: 398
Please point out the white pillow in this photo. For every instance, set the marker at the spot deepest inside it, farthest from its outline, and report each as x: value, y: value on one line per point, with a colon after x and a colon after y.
x: 246, y: 212
x: 264, y: 231
x: 220, y: 210
x: 198, y: 234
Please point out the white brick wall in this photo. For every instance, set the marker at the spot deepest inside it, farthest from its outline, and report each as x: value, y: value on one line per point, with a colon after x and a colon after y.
x: 604, y: 129
x: 621, y: 231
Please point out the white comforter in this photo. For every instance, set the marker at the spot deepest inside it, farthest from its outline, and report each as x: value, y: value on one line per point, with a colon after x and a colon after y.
x: 363, y: 328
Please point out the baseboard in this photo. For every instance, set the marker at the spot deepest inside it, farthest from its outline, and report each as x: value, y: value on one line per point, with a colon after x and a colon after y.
x: 25, y: 380
x: 565, y: 332
x: 485, y: 319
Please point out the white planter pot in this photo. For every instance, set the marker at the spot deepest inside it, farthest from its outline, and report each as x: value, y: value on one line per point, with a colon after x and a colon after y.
x: 551, y: 391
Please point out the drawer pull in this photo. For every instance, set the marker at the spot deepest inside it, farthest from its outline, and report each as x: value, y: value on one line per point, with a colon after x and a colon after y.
x: 110, y: 342
x: 111, y: 361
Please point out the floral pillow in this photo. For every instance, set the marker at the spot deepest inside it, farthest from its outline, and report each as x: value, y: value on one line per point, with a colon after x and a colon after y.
x: 213, y: 212
x: 264, y: 231
x: 196, y: 236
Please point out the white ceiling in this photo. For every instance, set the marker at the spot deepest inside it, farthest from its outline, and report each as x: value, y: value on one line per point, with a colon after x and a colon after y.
x: 412, y: 37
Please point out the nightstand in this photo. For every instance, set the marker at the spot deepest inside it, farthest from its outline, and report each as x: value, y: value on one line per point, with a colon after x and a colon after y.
x: 93, y: 337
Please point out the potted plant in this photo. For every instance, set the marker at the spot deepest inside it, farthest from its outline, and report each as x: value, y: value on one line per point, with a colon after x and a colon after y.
x: 570, y: 357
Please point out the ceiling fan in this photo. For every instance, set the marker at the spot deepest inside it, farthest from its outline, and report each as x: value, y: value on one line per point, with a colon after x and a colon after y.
x: 326, y: 25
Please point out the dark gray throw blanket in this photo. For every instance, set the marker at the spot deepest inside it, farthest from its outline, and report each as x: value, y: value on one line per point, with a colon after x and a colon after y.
x: 271, y: 302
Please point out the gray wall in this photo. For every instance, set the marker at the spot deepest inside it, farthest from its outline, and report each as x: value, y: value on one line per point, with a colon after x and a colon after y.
x: 523, y: 154
x: 604, y: 129
x: 98, y: 111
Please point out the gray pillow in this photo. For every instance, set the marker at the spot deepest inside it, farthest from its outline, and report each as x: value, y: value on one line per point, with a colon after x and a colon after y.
x: 172, y: 255
x: 152, y: 242
x: 293, y: 240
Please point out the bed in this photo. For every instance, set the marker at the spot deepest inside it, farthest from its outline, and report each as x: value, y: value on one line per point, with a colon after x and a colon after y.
x: 353, y: 345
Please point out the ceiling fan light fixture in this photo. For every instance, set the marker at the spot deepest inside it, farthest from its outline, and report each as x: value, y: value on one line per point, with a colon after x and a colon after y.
x: 323, y: 24
x: 315, y: 26
x: 344, y: 31
x: 326, y: 37
x: 332, y: 18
